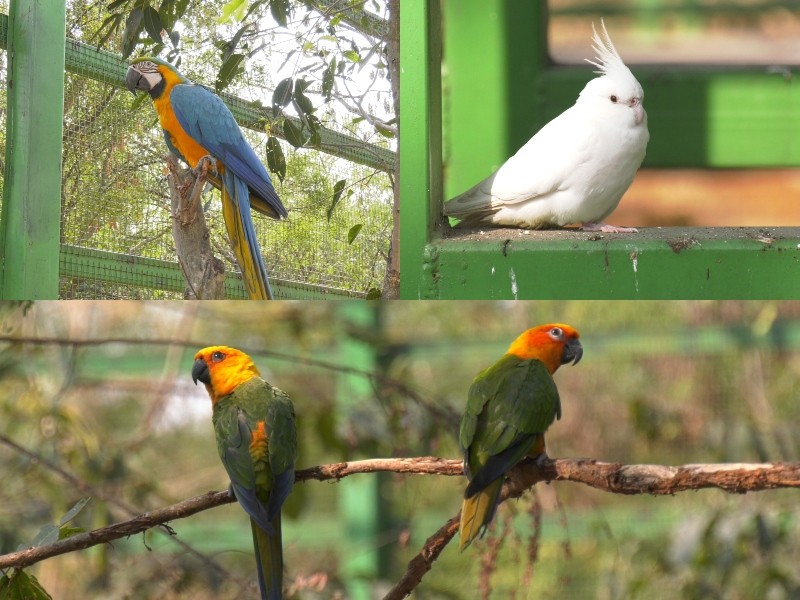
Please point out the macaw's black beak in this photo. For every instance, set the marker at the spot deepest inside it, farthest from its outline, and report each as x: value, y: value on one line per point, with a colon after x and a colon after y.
x: 573, y: 352
x: 135, y: 82
x: 200, y: 372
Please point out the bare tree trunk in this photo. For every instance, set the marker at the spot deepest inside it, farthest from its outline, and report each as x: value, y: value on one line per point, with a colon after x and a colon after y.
x: 391, y: 283
x: 204, y: 272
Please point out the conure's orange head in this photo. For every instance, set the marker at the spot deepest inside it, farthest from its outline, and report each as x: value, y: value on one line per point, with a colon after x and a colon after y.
x: 222, y: 369
x: 554, y: 344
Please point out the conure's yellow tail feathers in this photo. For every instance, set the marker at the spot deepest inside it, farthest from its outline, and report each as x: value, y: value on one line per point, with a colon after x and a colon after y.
x: 477, y: 512
x: 269, y: 560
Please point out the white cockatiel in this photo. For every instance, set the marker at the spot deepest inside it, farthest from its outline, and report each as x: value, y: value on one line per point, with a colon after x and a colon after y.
x: 577, y: 167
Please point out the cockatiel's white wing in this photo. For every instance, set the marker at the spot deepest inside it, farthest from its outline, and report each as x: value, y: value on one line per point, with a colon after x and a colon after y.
x: 537, y: 169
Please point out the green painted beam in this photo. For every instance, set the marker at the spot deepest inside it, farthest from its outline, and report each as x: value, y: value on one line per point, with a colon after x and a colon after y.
x: 360, y: 504
x: 421, y: 125
x: 668, y: 263
x: 136, y: 271
x: 490, y: 88
x: 29, y: 223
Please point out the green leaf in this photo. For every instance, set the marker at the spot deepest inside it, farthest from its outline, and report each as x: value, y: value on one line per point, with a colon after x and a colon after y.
x: 353, y: 233
x: 68, y: 532
x: 302, y: 102
x: 166, y: 12
x: 327, y: 79
x: 352, y: 56
x: 279, y: 9
x: 152, y: 24
x: 229, y: 69
x: 46, y: 535
x: 108, y: 28
x: 22, y: 586
x: 139, y: 100
x: 338, y: 188
x: 282, y: 94
x: 315, y: 125
x: 276, y: 161
x: 233, y: 9
x: 294, y: 134
x: 133, y: 27
x: 387, y: 133
x: 74, y: 511
x: 229, y: 47
x: 112, y: 6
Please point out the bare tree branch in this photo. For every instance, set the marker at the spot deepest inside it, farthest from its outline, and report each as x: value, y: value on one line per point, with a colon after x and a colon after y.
x: 610, y: 477
x: 422, y: 562
x: 85, y: 488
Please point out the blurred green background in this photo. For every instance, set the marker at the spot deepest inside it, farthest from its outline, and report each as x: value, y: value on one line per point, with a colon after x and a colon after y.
x: 660, y: 382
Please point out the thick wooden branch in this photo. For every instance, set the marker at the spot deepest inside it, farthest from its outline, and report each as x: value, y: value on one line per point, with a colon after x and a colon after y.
x: 611, y: 477
x: 204, y: 273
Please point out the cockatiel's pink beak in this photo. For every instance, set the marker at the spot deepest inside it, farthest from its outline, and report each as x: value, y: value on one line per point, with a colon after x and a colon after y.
x: 638, y: 111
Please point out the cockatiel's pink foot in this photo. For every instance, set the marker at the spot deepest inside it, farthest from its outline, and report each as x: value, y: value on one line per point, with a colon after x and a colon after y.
x: 605, y: 228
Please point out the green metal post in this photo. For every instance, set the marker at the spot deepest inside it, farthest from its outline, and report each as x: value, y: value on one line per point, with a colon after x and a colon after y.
x: 420, y: 135
x: 492, y: 88
x: 359, y: 497
x: 30, y: 219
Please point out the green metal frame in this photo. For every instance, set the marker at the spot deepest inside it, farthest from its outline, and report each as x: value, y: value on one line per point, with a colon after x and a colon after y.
x: 29, y: 222
x: 498, y: 88
x: 149, y: 273
x: 32, y: 256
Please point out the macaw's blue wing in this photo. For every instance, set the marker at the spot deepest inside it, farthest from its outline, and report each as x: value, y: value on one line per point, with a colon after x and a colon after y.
x: 204, y: 116
x: 206, y: 119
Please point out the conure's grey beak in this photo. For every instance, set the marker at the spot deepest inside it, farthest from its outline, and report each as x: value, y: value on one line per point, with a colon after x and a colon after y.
x: 200, y: 372
x: 135, y: 82
x: 573, y: 352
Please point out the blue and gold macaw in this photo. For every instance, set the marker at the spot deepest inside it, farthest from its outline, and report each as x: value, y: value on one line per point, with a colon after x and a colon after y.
x: 197, y: 124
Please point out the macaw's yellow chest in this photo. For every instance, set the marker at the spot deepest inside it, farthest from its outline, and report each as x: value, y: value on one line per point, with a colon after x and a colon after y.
x: 188, y: 147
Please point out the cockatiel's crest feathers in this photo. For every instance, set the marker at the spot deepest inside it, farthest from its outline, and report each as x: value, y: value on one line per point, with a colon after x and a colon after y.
x: 607, y: 59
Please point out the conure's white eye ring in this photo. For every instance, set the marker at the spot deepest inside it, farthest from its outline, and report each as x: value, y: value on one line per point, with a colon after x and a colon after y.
x: 556, y: 332
x: 217, y: 356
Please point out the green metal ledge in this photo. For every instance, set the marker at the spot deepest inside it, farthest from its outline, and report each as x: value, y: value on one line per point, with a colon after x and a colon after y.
x: 656, y: 263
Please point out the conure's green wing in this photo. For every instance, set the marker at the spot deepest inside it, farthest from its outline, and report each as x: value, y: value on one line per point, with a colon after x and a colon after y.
x: 282, y: 449
x: 509, y: 405
x: 261, y: 483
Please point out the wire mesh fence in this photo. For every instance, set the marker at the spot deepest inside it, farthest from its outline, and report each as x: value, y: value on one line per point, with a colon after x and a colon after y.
x: 116, y: 227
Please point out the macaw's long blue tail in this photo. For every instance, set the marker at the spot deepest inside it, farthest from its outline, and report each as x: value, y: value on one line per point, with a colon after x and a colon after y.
x: 269, y: 560
x: 239, y: 223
